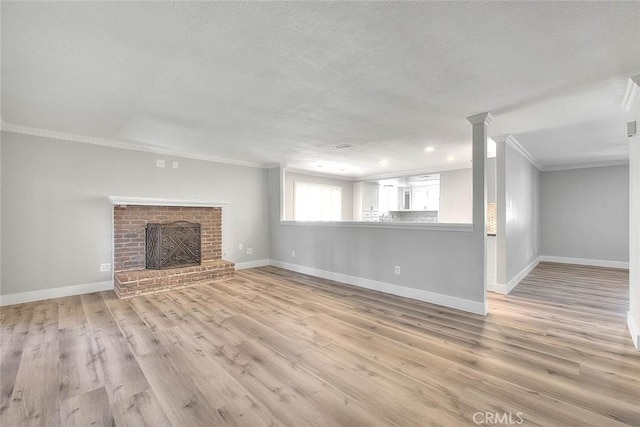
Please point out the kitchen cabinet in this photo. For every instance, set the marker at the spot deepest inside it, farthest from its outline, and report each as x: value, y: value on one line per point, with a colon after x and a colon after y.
x: 420, y: 198
x: 370, y: 201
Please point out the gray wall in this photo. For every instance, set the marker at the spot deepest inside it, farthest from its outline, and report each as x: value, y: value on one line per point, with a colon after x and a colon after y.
x: 425, y: 257
x: 456, y: 196
x: 449, y: 263
x: 347, y: 192
x: 522, y: 205
x: 58, y: 222
x: 634, y: 228
x: 585, y: 213
x: 1, y: 137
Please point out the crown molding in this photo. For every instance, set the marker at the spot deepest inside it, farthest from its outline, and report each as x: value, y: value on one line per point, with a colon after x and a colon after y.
x: 620, y: 162
x: 631, y: 94
x: 46, y: 133
x: 320, y: 174
x: 480, y: 118
x: 515, y: 144
x: 388, y: 175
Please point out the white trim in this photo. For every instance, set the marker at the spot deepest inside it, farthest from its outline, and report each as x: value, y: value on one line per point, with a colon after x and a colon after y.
x: 525, y: 271
x: 46, y: 133
x: 633, y: 330
x: 482, y: 118
x: 150, y: 201
x: 619, y: 162
x: 252, y: 264
x: 631, y: 94
x: 515, y: 144
x: 503, y: 289
x: 498, y: 288
x: 321, y: 174
x: 282, y: 189
x: 474, y: 307
x: 468, y: 228
x: 585, y: 261
x: 64, y: 291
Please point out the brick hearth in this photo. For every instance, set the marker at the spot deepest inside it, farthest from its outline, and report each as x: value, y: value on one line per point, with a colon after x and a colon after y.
x: 131, y: 278
x: 140, y: 282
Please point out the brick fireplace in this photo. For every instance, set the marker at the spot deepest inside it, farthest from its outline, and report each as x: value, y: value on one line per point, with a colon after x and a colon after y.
x: 129, y: 233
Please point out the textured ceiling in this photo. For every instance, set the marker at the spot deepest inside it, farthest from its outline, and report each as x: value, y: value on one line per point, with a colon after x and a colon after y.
x: 284, y: 82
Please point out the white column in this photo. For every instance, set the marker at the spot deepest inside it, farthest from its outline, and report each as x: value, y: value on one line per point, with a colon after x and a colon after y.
x: 479, y: 124
x: 631, y: 103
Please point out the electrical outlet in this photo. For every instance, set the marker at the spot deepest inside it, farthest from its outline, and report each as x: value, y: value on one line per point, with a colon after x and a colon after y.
x: 160, y: 163
x: 105, y: 267
x: 293, y: 254
x: 240, y: 246
x: 397, y: 270
x: 175, y: 165
x: 249, y: 251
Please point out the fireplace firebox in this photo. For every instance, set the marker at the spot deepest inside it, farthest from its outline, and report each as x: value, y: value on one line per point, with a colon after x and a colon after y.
x: 172, y: 245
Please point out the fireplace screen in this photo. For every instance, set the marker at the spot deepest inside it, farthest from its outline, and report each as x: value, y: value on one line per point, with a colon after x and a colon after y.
x: 172, y: 245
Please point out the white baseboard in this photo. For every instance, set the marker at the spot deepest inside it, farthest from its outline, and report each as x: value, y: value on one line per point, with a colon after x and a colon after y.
x: 504, y: 289
x: 403, y: 291
x: 498, y: 288
x: 252, y: 264
x: 585, y: 261
x: 64, y: 291
x: 633, y: 330
x: 518, y: 278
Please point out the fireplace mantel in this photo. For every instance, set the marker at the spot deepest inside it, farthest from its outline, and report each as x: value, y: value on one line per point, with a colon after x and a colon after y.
x: 150, y: 201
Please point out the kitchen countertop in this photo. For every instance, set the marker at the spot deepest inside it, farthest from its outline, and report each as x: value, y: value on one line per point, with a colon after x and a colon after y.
x: 414, y: 210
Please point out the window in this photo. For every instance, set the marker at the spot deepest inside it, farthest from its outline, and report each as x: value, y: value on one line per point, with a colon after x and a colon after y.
x: 317, y: 202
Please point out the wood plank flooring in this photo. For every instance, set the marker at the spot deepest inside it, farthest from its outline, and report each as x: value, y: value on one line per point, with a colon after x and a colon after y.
x: 272, y: 347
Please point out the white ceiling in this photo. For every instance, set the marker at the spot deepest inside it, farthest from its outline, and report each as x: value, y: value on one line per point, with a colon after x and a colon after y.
x: 284, y: 82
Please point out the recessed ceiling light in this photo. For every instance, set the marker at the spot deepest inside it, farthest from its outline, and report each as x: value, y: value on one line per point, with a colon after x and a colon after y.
x: 384, y: 162
x: 429, y: 149
x: 451, y: 158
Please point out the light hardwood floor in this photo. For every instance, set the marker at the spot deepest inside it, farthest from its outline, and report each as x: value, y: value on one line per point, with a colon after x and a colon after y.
x: 272, y: 347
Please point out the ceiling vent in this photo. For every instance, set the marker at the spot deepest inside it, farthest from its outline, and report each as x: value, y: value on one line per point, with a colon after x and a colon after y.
x: 343, y: 146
